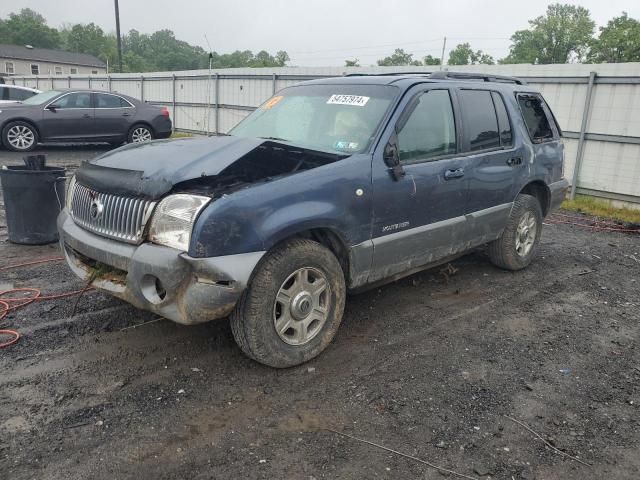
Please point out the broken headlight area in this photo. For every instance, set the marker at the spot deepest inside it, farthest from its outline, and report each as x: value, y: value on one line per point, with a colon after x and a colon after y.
x: 173, y: 219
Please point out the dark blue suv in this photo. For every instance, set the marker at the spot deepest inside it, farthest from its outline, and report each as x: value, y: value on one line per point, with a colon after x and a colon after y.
x: 328, y: 187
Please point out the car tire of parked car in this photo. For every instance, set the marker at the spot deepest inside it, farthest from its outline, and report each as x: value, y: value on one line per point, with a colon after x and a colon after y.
x: 515, y: 249
x: 140, y: 133
x: 19, y: 136
x: 293, y: 305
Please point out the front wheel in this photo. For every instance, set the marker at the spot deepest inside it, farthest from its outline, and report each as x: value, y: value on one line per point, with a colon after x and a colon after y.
x: 293, y: 306
x: 140, y: 133
x: 515, y: 249
x: 19, y: 136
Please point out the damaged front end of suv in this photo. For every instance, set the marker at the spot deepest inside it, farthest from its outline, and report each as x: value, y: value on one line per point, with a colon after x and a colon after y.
x: 134, y: 233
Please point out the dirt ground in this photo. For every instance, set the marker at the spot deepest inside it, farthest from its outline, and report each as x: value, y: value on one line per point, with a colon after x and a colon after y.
x: 429, y: 366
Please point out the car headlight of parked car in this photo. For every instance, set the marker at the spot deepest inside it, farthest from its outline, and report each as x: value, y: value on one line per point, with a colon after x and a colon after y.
x: 173, y: 220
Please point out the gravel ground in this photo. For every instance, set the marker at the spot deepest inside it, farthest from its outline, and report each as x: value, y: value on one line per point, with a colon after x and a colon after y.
x: 430, y: 366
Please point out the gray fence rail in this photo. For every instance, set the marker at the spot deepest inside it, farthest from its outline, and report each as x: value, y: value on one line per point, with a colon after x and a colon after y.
x: 598, y: 107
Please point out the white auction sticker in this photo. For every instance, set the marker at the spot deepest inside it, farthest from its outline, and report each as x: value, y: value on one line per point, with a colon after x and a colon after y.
x: 355, y: 100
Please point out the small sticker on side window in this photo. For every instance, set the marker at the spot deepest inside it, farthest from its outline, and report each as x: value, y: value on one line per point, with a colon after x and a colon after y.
x: 355, y: 100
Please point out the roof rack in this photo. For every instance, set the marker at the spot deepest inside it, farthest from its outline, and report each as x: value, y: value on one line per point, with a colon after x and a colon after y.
x: 442, y: 75
x: 445, y: 75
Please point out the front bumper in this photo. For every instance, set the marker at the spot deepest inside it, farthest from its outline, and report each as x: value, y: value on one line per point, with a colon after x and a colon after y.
x: 163, y: 280
x: 558, y: 192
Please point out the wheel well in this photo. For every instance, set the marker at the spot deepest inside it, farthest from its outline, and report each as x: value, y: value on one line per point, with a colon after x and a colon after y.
x: 331, y: 240
x: 541, y: 192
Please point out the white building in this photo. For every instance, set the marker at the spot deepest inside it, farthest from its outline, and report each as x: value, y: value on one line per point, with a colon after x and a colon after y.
x: 27, y: 60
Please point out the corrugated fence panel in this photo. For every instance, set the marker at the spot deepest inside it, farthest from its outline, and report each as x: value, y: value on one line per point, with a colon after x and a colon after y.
x: 611, y: 167
x: 616, y: 110
x: 247, y: 93
x: 126, y: 87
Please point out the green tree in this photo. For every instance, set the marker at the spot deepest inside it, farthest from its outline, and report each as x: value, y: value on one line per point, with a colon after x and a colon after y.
x: 463, y: 54
x: 619, y: 41
x: 352, y: 63
x: 29, y: 28
x: 561, y: 36
x: 398, y: 58
x: 429, y: 60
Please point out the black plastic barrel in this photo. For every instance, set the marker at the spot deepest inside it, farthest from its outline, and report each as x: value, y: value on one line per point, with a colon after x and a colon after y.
x: 32, y: 201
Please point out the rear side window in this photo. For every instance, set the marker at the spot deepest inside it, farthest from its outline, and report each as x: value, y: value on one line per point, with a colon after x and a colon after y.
x: 430, y: 130
x: 535, y: 118
x: 480, y: 120
x: 4, y: 94
x: 18, y: 94
x: 110, y: 101
x: 503, y: 120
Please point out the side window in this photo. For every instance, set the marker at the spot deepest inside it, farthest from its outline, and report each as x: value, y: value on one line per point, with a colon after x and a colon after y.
x: 535, y: 118
x: 74, y: 100
x: 19, y: 94
x: 506, y: 138
x: 108, y: 101
x: 480, y: 120
x: 430, y: 130
x: 35, y: 69
x: 4, y: 93
x: 73, y: 70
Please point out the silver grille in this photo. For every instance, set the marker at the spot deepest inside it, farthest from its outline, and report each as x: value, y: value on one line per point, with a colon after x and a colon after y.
x: 114, y: 216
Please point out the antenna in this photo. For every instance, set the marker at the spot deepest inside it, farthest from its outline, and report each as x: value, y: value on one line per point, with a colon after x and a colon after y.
x: 208, y: 112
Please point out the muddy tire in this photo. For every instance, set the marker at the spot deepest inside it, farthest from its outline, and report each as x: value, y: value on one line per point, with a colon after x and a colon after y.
x: 293, y: 305
x: 517, y: 246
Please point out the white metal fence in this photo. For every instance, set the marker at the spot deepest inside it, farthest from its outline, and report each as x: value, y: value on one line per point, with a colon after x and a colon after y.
x: 597, y: 106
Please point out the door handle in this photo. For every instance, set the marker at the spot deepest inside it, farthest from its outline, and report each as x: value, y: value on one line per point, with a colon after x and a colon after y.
x: 125, y: 114
x: 451, y: 174
x: 514, y: 161
x: 86, y: 115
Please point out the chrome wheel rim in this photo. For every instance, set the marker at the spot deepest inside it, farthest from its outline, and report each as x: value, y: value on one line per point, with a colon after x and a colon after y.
x: 21, y: 137
x: 302, y: 305
x: 140, y: 134
x: 526, y: 234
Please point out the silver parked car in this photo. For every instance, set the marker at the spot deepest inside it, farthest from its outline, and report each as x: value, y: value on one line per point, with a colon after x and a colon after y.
x: 16, y: 93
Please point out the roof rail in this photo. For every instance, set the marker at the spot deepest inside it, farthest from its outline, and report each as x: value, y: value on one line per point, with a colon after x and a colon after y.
x: 445, y: 75
x: 485, y: 77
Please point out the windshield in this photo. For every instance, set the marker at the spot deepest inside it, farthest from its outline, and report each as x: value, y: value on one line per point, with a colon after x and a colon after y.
x: 330, y: 118
x: 41, y: 98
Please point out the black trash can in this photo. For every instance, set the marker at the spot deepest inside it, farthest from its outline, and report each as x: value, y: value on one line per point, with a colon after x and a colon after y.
x: 32, y: 201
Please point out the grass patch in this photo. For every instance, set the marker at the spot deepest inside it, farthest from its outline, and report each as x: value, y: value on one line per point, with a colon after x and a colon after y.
x: 181, y: 135
x: 601, y: 208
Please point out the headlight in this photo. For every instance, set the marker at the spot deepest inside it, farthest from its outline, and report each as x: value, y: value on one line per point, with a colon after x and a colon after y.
x: 173, y: 219
x: 69, y: 194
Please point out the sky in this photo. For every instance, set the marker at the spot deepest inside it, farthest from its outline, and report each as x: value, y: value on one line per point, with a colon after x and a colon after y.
x: 321, y: 32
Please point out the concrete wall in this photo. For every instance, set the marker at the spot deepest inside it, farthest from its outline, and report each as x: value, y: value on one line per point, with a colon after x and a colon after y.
x: 210, y: 102
x: 23, y: 67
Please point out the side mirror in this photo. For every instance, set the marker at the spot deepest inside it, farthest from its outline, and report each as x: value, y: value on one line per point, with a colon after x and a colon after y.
x: 53, y: 107
x: 391, y: 158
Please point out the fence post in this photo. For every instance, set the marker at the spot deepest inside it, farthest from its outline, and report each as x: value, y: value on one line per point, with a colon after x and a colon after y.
x: 273, y: 83
x: 583, y: 131
x: 109, y: 82
x: 173, y: 100
x: 89, y: 78
x: 37, y: 82
x: 217, y: 100
x: 53, y: 87
x: 69, y: 81
x: 141, y: 88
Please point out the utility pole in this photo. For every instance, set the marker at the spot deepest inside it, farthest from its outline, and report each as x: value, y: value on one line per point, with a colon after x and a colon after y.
x: 118, y: 35
x: 444, y: 45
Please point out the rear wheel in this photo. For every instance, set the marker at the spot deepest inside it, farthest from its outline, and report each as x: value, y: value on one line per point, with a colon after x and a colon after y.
x: 19, y: 136
x: 293, y: 306
x: 140, y: 133
x: 515, y: 249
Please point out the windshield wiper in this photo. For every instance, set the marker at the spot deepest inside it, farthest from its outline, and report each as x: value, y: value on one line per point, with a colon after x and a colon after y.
x: 277, y: 139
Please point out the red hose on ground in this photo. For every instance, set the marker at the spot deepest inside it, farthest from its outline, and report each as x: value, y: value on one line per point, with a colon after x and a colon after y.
x: 8, y: 304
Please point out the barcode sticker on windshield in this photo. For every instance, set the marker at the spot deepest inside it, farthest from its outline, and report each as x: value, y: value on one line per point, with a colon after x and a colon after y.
x: 355, y: 100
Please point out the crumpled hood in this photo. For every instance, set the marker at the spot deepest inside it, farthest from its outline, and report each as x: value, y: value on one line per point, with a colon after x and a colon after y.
x: 152, y: 169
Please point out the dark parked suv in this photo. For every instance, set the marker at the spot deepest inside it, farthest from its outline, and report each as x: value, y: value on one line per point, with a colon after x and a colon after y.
x: 330, y: 186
